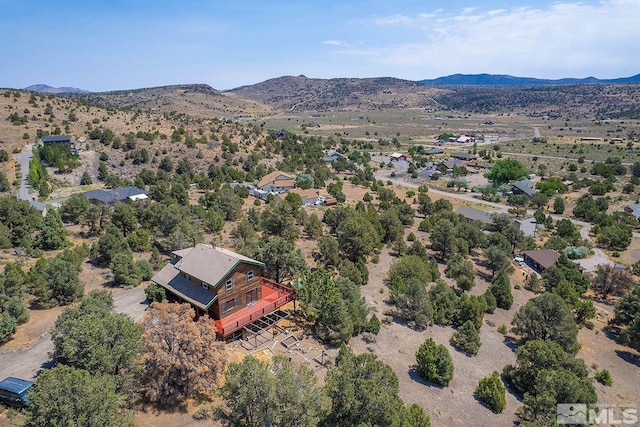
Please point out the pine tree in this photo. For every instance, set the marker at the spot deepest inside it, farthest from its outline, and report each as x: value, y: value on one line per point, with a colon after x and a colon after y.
x: 501, y: 289
x: 52, y: 233
x: 466, y: 339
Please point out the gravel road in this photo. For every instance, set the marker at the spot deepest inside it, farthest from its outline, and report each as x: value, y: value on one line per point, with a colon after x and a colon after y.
x: 27, y: 362
x: 23, y: 159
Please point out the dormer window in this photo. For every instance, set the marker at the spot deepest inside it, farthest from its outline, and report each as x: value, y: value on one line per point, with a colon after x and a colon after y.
x: 186, y: 276
x: 249, y: 275
x: 205, y: 285
x: 229, y: 285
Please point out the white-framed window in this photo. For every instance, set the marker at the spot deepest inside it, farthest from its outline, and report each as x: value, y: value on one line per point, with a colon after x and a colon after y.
x: 205, y: 285
x: 228, y: 285
x: 229, y: 304
x: 249, y: 275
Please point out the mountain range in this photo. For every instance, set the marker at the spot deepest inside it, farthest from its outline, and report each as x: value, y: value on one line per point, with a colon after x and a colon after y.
x: 451, y: 80
x: 40, y: 88
x: 507, y: 80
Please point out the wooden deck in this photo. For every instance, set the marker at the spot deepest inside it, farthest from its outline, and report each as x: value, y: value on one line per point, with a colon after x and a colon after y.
x: 274, y: 296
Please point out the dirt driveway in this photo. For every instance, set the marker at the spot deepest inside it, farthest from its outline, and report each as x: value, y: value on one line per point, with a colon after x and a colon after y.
x: 25, y: 360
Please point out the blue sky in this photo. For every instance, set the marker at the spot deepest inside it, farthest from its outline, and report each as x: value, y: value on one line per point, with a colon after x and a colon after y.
x: 108, y: 45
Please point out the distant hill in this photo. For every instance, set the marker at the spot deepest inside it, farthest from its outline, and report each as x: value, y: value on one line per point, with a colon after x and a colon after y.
x: 48, y: 89
x: 507, y: 80
x: 300, y: 93
x: 197, y: 100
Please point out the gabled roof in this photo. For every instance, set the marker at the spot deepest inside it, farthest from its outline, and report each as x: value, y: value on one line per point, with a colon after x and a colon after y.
x: 464, y: 156
x: 272, y: 177
x: 475, y: 214
x: 544, y: 257
x: 309, y: 193
x: 397, y: 155
x: 279, y: 183
x: 116, y: 195
x: 333, y: 154
x: 527, y: 226
x: 525, y: 186
x: 41, y: 207
x: 56, y: 139
x: 169, y: 277
x: 209, y: 264
x: 447, y: 164
x: 435, y: 150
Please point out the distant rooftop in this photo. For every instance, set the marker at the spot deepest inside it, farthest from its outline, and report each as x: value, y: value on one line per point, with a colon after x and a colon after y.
x: 56, y: 139
x: 116, y: 195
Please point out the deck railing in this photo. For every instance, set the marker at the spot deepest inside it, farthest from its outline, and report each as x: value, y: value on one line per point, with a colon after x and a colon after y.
x: 275, y: 285
x: 257, y: 313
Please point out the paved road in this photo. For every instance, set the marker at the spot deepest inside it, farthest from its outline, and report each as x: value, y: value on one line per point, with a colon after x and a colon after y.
x: 536, y: 132
x: 556, y: 157
x: 23, y: 159
x: 27, y: 362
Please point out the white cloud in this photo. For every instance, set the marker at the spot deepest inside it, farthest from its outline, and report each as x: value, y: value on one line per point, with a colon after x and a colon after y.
x: 394, y: 20
x: 332, y: 43
x: 562, y: 40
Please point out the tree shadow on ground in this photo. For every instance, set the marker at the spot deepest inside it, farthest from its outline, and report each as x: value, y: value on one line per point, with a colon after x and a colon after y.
x: 629, y: 357
x: 510, y: 342
x: 417, y: 378
x: 51, y: 363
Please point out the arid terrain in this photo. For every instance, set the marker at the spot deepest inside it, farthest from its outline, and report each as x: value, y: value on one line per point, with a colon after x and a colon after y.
x: 562, y: 128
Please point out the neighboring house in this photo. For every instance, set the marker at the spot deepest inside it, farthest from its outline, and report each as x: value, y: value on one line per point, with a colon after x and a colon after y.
x: 465, y: 139
x: 41, y: 207
x: 277, y: 182
x: 448, y: 165
x: 397, y: 157
x: 57, y: 140
x: 472, y: 214
x: 527, y: 226
x: 224, y: 285
x: 525, y: 187
x: 117, y: 195
x: 281, y: 134
x: 541, y: 259
x: 633, y: 209
x: 434, y: 151
x: 309, y: 196
x: 467, y: 157
x: 331, y: 156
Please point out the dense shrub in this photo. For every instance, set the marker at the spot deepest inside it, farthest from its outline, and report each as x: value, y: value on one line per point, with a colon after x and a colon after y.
x: 433, y: 363
x: 491, y: 392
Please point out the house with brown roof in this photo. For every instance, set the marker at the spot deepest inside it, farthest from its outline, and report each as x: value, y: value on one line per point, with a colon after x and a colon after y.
x: 276, y: 182
x: 309, y: 196
x: 541, y: 259
x: 222, y: 284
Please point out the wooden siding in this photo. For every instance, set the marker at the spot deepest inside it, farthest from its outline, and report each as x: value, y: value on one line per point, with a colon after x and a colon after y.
x: 240, y: 288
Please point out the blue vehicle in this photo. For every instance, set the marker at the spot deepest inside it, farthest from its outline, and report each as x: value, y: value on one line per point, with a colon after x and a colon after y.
x: 13, y: 391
